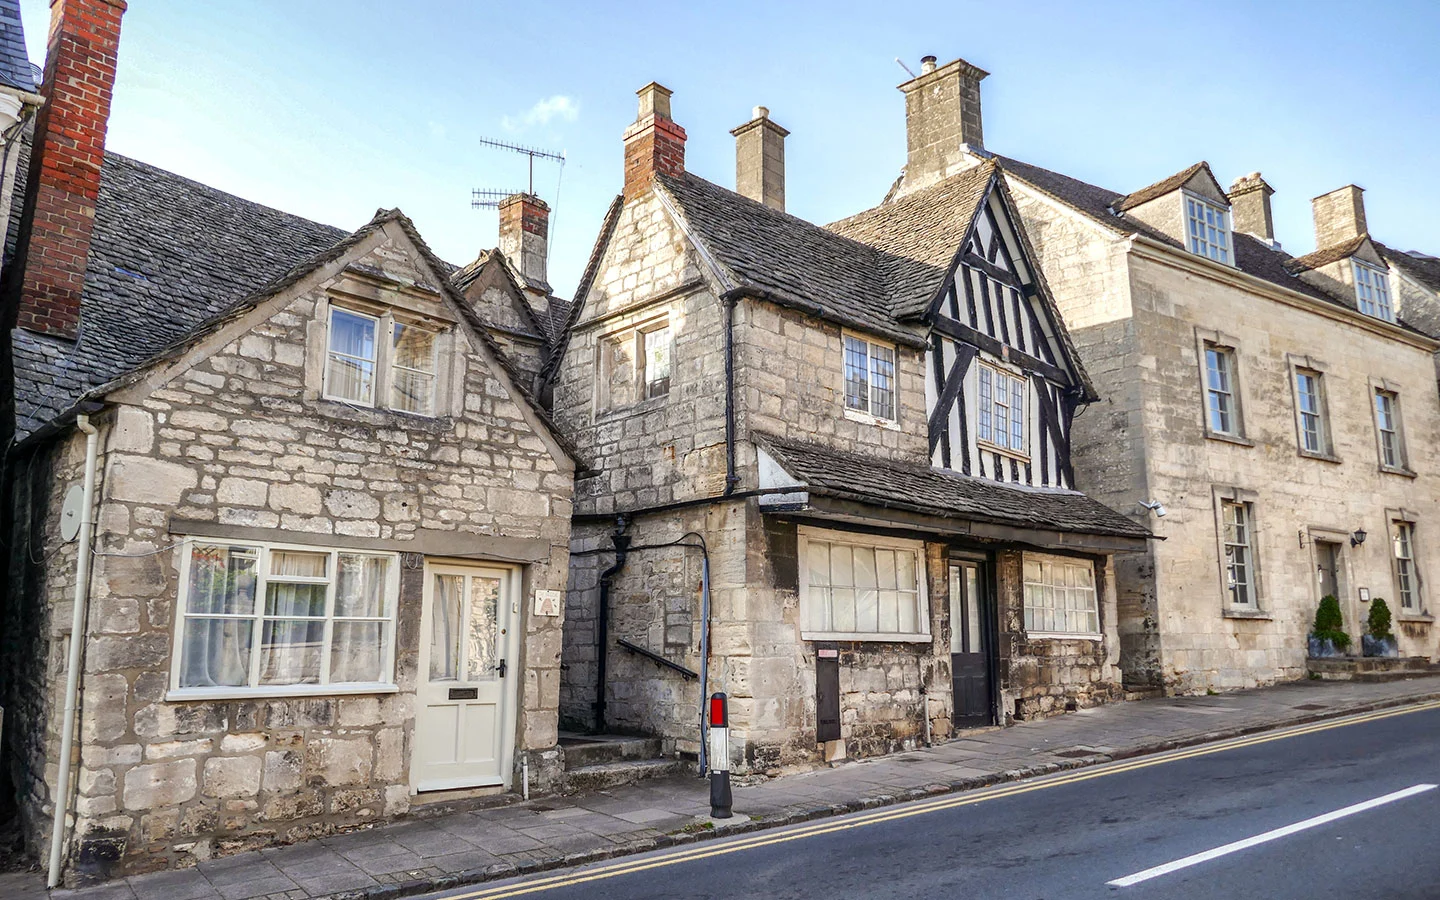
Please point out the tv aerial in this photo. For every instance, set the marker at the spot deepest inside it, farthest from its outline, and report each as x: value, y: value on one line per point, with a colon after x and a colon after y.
x: 481, y: 198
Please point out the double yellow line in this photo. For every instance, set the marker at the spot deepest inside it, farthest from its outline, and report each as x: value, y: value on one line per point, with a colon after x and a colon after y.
x: 615, y: 870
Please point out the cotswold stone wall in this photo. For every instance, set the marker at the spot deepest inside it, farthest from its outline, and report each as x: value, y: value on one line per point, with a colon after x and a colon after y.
x: 239, y: 444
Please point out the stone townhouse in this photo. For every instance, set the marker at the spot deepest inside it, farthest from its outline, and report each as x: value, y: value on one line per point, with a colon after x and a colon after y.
x: 831, y: 472
x: 286, y: 529
x: 1278, y: 412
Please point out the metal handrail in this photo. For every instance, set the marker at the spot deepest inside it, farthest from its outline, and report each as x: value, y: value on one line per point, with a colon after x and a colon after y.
x: 658, y: 659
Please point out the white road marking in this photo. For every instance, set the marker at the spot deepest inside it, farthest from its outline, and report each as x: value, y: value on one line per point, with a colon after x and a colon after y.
x: 1288, y: 830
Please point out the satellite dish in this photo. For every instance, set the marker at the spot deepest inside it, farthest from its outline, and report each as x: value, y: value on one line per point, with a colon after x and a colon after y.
x: 71, y: 512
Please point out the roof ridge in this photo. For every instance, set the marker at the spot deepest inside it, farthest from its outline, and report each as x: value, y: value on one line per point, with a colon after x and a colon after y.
x: 1163, y: 186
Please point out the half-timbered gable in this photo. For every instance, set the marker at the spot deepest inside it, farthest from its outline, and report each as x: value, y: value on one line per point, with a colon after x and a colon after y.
x: 1002, y: 383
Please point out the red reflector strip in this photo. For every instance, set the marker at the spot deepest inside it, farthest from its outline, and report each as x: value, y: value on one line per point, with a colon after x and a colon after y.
x: 719, y: 717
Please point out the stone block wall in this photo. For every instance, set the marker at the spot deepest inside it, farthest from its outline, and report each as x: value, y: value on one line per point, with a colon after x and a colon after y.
x: 238, y: 443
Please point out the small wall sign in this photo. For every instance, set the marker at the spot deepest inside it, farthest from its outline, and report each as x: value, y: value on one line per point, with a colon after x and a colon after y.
x: 547, y: 603
x: 1364, y: 595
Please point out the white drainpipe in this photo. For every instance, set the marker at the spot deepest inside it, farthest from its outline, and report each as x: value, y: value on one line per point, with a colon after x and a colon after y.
x: 77, y: 642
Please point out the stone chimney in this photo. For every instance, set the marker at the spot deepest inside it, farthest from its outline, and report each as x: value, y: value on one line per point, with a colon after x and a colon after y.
x: 942, y: 116
x: 760, y: 160
x: 67, y: 150
x: 524, y: 233
x: 654, y: 144
x: 1339, y: 216
x: 1250, y: 207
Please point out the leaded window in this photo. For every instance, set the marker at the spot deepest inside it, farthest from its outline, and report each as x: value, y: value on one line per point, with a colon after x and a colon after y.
x: 869, y: 377
x: 1001, y: 420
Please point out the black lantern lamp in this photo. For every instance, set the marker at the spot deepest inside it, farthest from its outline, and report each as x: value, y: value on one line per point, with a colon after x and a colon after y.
x: 1358, y: 537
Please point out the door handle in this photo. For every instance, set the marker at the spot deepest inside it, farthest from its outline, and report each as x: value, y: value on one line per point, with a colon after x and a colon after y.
x: 500, y: 668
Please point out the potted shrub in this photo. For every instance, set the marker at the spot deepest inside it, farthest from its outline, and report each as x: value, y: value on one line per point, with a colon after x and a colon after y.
x: 1378, y: 639
x: 1328, y: 637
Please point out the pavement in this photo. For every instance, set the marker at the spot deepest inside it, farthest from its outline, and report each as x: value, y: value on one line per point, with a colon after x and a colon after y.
x: 1328, y: 811
x: 423, y: 854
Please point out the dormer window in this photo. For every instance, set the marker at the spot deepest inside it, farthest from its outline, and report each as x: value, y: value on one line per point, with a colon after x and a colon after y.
x: 1208, y: 229
x: 1372, y: 291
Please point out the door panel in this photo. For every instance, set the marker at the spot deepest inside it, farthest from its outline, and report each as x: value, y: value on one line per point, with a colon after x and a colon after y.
x: 465, y: 717
x: 969, y: 647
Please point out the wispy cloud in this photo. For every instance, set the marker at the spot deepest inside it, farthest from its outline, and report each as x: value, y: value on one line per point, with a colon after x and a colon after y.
x: 559, y: 107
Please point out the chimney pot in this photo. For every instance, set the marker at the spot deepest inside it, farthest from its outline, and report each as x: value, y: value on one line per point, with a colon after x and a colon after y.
x: 760, y: 160
x: 67, y: 151
x: 1250, y: 206
x: 1339, y: 216
x: 524, y: 236
x: 654, y: 144
x: 942, y: 120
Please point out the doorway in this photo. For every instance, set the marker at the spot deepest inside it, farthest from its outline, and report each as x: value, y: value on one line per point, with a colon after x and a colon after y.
x: 970, y: 644
x: 466, y: 690
x: 1327, y: 561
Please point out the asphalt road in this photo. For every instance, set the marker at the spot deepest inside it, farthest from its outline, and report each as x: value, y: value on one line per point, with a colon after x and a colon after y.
x: 1068, y: 837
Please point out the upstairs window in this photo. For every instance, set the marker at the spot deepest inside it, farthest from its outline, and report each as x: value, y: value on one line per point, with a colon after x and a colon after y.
x: 636, y: 364
x: 363, y: 369
x: 1387, y: 428
x: 1002, y: 410
x: 1310, y: 408
x: 1222, y: 410
x: 1372, y: 291
x: 654, y: 351
x: 869, y: 378
x: 1208, y: 229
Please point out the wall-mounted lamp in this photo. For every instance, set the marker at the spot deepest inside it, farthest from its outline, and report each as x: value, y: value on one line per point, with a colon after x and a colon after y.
x: 1358, y: 537
x: 1156, y: 507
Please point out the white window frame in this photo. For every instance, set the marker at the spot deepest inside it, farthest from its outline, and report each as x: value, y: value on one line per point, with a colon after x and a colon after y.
x: 643, y: 339
x: 1396, y: 429
x: 988, y: 405
x: 1227, y: 564
x: 805, y: 535
x: 1320, y: 413
x: 1407, y: 574
x: 1372, y: 290
x: 1230, y: 393
x: 1049, y: 562
x: 1207, y: 229
x: 631, y: 337
x: 257, y: 618
x: 383, y: 383
x: 867, y: 414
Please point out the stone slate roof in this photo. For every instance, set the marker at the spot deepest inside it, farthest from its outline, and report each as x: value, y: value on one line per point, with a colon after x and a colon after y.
x: 789, y: 260
x: 15, y: 68
x: 1162, y: 187
x: 918, y: 235
x: 1251, y: 255
x: 166, y: 254
x: 916, y: 488
x: 1424, y: 270
x: 465, y: 275
x: 1327, y: 256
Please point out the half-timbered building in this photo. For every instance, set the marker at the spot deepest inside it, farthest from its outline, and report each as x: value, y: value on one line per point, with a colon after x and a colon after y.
x: 830, y: 467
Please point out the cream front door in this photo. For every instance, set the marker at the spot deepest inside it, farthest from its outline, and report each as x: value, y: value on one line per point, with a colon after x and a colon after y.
x: 465, y: 703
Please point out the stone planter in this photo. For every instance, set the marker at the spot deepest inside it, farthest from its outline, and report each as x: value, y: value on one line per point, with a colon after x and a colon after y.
x: 1374, y: 646
x: 1323, y: 649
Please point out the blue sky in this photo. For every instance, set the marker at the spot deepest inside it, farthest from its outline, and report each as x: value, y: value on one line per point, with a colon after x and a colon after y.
x: 332, y: 109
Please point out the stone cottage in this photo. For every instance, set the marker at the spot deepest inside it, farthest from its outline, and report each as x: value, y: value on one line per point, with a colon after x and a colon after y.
x: 831, y: 467
x: 287, y: 530
x: 1278, y: 411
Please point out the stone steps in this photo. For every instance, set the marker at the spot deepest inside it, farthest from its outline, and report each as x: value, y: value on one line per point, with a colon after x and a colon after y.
x: 597, y: 762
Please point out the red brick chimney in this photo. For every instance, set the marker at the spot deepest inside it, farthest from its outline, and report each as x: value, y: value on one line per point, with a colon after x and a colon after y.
x: 65, y: 157
x: 524, y: 231
x: 654, y: 144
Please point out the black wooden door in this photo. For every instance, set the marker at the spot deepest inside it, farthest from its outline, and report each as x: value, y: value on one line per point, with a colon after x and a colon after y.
x: 969, y: 645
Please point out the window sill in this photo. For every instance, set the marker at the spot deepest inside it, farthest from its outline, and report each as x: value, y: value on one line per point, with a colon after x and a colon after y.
x: 631, y: 409
x: 1234, y: 612
x: 1323, y: 457
x: 855, y: 415
x: 1063, y: 636
x: 868, y: 637
x: 1417, y: 618
x: 181, y: 695
x: 1228, y: 438
x: 371, y: 415
x: 1003, y: 451
x: 1398, y: 470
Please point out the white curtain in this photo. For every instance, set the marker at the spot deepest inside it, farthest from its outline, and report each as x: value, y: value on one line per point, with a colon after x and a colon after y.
x: 293, y: 634
x: 445, y: 628
x: 357, y: 648
x: 216, y: 651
